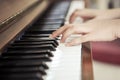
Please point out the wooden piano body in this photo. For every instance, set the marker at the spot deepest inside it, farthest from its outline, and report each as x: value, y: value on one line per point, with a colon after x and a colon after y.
x: 17, y: 16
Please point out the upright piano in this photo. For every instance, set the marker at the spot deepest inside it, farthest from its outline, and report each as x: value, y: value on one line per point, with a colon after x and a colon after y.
x: 27, y: 52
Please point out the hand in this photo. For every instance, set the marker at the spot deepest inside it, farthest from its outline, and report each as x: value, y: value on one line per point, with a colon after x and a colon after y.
x: 93, y: 14
x: 95, y: 30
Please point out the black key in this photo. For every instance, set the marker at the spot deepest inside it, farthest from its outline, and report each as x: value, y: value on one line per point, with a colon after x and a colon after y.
x: 62, y: 6
x: 60, y: 11
x: 43, y: 29
x: 50, y: 21
x: 56, y: 12
x: 53, y: 17
x: 30, y: 69
x: 47, y: 31
x: 27, y: 57
x: 33, y: 47
x: 41, y: 39
x: 21, y: 76
x: 34, y: 43
x: 37, y: 35
x: 44, y: 26
x: 28, y: 52
x: 37, y: 40
x: 23, y: 63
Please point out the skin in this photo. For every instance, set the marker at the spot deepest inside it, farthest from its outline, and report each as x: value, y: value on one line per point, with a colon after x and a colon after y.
x: 94, y: 14
x: 98, y: 26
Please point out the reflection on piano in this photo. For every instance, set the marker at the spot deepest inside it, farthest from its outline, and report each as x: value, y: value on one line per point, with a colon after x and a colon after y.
x: 27, y: 52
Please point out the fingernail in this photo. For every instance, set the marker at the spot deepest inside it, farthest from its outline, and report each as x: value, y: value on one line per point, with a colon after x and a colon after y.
x: 51, y: 36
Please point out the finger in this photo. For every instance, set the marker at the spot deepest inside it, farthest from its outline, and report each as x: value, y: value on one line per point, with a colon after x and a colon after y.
x: 73, y: 16
x: 82, y: 28
x: 85, y: 14
x: 79, y: 40
x: 59, y: 31
x: 66, y: 34
x: 74, y: 29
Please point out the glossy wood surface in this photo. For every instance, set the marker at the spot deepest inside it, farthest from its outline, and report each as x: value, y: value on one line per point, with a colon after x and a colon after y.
x: 87, y: 66
x: 9, y: 8
x: 21, y: 22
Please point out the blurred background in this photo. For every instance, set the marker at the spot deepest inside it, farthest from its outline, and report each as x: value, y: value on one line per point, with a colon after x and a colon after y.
x: 102, y: 4
x: 106, y: 69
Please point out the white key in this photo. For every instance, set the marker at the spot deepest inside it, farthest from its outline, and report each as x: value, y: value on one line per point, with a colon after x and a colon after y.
x: 66, y: 63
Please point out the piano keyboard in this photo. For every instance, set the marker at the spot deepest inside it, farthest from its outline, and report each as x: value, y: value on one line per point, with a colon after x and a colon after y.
x: 34, y: 56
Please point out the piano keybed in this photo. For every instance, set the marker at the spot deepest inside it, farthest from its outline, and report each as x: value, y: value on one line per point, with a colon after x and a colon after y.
x: 29, y: 56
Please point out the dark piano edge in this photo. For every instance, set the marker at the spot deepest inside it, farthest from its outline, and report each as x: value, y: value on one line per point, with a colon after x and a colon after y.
x: 3, y: 44
x: 12, y: 18
x: 87, y: 64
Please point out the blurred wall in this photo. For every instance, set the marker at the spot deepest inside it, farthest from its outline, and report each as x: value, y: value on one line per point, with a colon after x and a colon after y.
x: 102, y: 4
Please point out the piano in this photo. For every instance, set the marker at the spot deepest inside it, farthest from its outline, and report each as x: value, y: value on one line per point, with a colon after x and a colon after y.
x: 27, y: 52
